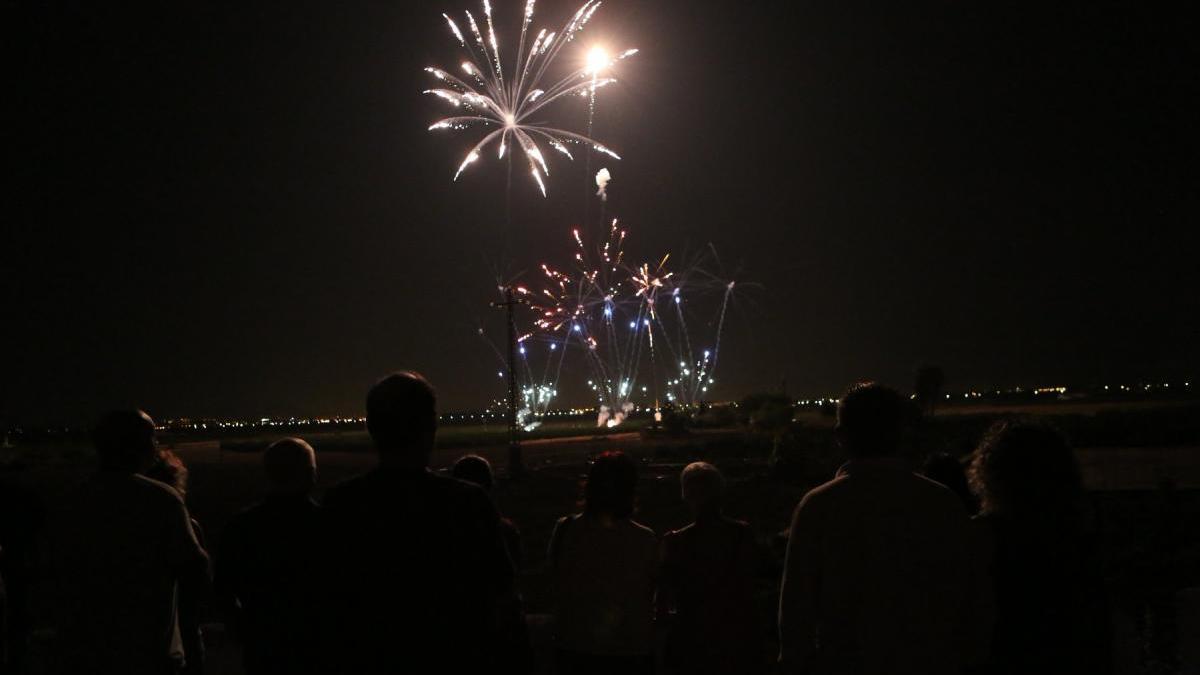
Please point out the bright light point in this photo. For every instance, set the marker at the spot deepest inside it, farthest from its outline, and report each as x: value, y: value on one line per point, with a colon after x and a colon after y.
x: 510, y: 120
x: 633, y: 324
x: 597, y: 59
x: 553, y: 347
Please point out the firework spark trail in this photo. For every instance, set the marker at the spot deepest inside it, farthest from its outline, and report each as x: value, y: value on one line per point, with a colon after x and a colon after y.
x: 505, y: 106
x: 612, y: 310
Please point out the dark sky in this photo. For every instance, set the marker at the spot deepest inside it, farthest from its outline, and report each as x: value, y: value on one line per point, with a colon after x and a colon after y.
x: 235, y: 209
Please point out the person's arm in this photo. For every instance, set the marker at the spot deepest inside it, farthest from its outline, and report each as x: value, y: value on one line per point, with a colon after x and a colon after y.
x: 227, y: 578
x: 798, y: 593
x: 979, y: 615
x: 189, y: 560
x: 185, y: 554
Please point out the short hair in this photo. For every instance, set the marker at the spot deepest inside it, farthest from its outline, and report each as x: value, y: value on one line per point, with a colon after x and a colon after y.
x: 289, y: 462
x: 123, y: 439
x: 871, y: 416
x: 703, y: 481
x: 1026, y: 468
x: 611, y: 485
x: 401, y: 408
x: 474, y: 469
x: 169, y: 469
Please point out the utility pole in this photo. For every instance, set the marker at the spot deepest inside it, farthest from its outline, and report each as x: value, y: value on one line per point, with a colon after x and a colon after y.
x: 516, y: 467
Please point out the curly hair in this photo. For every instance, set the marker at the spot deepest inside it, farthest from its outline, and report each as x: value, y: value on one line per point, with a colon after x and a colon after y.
x: 1026, y: 468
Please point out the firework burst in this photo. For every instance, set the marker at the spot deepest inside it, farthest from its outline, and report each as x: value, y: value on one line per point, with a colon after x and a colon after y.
x: 629, y: 318
x: 504, y: 105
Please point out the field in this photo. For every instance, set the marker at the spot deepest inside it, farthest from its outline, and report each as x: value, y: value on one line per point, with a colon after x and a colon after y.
x: 1141, y: 464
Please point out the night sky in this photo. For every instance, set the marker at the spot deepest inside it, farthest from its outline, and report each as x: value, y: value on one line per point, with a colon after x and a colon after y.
x: 235, y: 208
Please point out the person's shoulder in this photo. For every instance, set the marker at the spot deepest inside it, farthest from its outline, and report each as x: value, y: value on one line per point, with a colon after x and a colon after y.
x: 450, y: 484
x: 937, y: 494
x: 562, y: 524
x: 639, y: 530
x: 828, y: 491
x: 449, y: 487
x: 735, y: 523
x: 672, y: 536
x: 155, y: 491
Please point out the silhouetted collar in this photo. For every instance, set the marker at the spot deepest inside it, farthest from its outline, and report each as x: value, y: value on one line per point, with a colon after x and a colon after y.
x: 874, y: 465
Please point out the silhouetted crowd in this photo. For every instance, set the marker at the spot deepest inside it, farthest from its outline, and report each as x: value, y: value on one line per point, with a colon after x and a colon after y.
x: 988, y: 569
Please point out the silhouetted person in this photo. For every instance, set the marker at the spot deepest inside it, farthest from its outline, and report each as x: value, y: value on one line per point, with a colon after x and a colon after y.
x: 170, y: 470
x: 1051, y: 611
x: 22, y: 518
x: 945, y: 469
x: 417, y: 568
x: 706, y: 591
x: 515, y: 652
x: 477, y: 470
x: 604, y: 567
x: 122, y: 546
x: 265, y: 564
x: 879, y: 570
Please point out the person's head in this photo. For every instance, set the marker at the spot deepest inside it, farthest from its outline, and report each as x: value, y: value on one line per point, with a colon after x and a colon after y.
x: 402, y: 419
x: 611, y: 486
x: 474, y: 469
x: 870, y: 419
x: 703, y: 487
x: 946, y: 469
x: 124, y: 441
x: 1026, y: 469
x: 291, y: 467
x: 168, y: 468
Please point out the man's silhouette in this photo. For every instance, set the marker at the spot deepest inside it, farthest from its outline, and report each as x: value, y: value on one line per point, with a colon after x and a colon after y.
x: 879, y: 571
x: 417, y: 573
x: 265, y: 565
x: 706, y: 586
x: 122, y: 546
